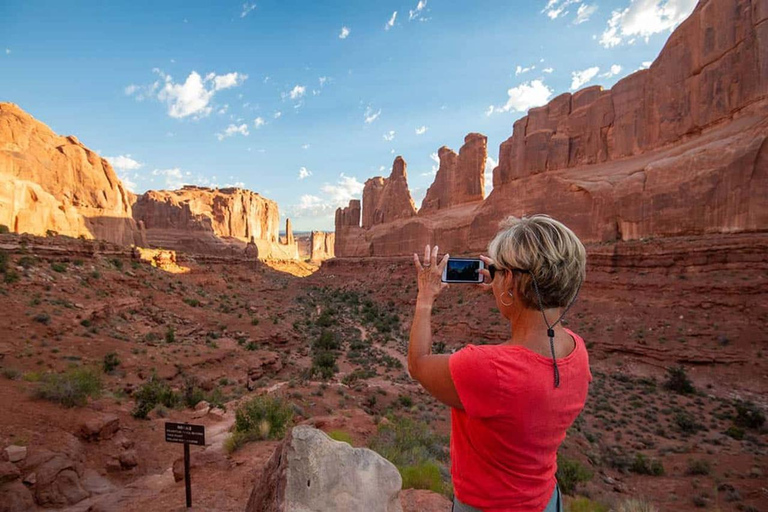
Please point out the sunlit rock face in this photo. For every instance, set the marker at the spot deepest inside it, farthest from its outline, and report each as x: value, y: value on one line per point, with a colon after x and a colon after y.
x: 676, y: 149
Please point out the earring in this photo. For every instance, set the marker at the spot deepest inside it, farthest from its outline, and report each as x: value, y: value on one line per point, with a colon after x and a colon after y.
x: 504, y: 303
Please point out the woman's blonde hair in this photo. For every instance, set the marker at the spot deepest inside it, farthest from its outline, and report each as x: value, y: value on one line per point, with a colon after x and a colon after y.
x: 549, y: 250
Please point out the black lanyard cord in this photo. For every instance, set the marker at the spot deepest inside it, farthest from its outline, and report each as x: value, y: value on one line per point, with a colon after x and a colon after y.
x: 550, y: 328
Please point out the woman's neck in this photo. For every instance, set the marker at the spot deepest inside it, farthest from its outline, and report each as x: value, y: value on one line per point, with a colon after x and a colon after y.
x: 529, y: 328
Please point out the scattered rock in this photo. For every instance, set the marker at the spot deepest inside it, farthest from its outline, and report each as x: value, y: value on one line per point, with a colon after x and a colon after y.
x: 58, y: 483
x: 129, y: 459
x: 15, y: 497
x: 305, y: 473
x: 8, y: 472
x: 100, y: 427
x: 419, y: 500
x: 16, y: 453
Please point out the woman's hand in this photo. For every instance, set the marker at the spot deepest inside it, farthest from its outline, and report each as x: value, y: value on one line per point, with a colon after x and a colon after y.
x: 487, y: 284
x: 430, y: 276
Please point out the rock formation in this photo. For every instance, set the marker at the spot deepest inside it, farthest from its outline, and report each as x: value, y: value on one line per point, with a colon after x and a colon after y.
x: 201, y: 219
x: 321, y: 245
x: 676, y: 149
x: 289, y: 240
x: 54, y: 183
x: 460, y: 178
x: 311, y: 471
x: 388, y: 199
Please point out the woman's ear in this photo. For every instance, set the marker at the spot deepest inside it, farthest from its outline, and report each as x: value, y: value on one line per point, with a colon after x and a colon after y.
x: 509, y: 282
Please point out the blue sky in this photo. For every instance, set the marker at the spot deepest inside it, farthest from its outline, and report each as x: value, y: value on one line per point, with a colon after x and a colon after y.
x: 302, y: 101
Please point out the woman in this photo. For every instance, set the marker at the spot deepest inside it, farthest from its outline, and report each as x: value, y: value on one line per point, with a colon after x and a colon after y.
x: 512, y: 402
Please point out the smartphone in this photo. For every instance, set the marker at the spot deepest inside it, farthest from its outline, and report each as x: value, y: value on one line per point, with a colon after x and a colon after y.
x: 463, y: 270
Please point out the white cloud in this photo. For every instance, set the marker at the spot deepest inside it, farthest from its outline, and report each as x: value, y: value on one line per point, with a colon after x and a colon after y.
x: 643, y: 18
x: 193, y: 97
x: 579, y: 78
x: 645, y: 64
x: 344, y: 33
x: 421, y: 130
x: 389, y: 136
x: 232, y: 129
x: 123, y: 162
x: 547, y: 70
x: 370, y: 115
x: 418, y: 12
x: 520, y: 69
x: 7, y: 51
x: 305, y: 146
x: 391, y: 22
x: 556, y: 8
x: 223, y: 109
x: 615, y: 70
x: 523, y: 97
x: 259, y: 122
x: 173, y: 177
x: 295, y: 93
x: 129, y: 90
x: 323, y: 80
x: 277, y: 114
x: 331, y: 196
x: 225, y: 81
x: 490, y: 164
x: 436, y: 159
x: 584, y: 12
x: 247, y: 8
x: 304, y: 173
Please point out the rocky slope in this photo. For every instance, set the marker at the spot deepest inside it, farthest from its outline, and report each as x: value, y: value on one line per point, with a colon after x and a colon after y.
x: 207, y: 220
x: 54, y: 183
x: 678, y: 149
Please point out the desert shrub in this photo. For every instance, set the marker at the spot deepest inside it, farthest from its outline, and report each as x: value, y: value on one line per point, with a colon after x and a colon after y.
x: 582, y: 504
x: 4, y: 261
x: 254, y: 321
x: 570, y: 473
x: 748, y: 415
x: 425, y: 475
x: 191, y: 302
x: 111, y: 362
x: 340, y: 435
x: 643, y: 465
x: 686, y: 423
x: 324, y: 364
x: 636, y: 505
x: 11, y: 276
x: 42, y: 318
x: 4, y: 230
x: 414, y: 449
x: 11, y: 373
x: 261, y: 417
x: 152, y: 393
x: 698, y: 467
x: 326, y: 341
x: 27, y: 261
x: 405, y: 400
x: 170, y: 334
x: 735, y: 432
x: 358, y: 374
x: 117, y: 263
x: 193, y: 394
x: 59, y: 267
x: 71, y: 388
x: 678, y: 381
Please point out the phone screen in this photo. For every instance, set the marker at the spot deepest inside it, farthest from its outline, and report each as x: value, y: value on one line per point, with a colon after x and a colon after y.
x: 463, y: 270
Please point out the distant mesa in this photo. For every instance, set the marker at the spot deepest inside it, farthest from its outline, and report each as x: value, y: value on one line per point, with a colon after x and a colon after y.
x: 677, y: 149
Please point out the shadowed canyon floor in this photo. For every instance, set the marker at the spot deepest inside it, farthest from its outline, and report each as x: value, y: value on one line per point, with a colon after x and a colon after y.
x: 227, y: 330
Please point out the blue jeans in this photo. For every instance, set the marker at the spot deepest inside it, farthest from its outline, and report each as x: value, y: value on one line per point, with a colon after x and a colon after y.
x: 555, y: 504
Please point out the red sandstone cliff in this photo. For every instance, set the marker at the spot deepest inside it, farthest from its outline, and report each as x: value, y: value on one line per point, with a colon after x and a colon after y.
x: 321, y: 245
x: 212, y: 221
x: 50, y: 182
x: 388, y: 199
x: 460, y: 178
x: 677, y: 149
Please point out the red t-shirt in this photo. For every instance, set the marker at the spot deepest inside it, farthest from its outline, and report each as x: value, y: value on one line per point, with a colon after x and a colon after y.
x: 504, y: 443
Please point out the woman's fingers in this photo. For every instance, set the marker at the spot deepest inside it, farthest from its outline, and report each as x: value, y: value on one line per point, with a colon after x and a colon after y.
x: 443, y: 262
x: 433, y: 259
x: 417, y: 262
x: 485, y: 272
x: 486, y: 287
x: 486, y: 259
x: 426, y: 255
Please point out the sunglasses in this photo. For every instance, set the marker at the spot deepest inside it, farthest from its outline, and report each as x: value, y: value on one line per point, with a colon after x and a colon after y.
x: 492, y: 269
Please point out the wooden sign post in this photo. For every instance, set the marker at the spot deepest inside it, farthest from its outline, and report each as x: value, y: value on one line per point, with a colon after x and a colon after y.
x: 186, y: 434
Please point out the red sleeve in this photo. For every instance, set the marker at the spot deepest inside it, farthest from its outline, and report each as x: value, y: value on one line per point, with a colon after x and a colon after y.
x: 476, y: 380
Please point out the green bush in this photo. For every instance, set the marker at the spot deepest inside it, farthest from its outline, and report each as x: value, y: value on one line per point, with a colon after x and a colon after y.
x: 111, y: 362
x: 11, y: 373
x: 261, y: 417
x: 582, y: 504
x: 698, y: 467
x: 150, y: 394
x: 678, y: 381
x: 735, y: 432
x: 117, y: 263
x: 748, y: 415
x: 326, y: 341
x: 324, y: 364
x: 570, y: 473
x: 405, y: 400
x: 4, y: 229
x: 59, y: 267
x: 4, y: 261
x: 170, y: 335
x: 11, y: 276
x: 340, y: 435
x: 425, y: 475
x: 71, y: 388
x: 417, y: 452
x: 642, y: 465
x: 42, y: 318
x: 686, y: 423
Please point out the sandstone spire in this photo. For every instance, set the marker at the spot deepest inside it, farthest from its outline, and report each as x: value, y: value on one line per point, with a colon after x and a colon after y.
x: 460, y: 178
x: 388, y: 199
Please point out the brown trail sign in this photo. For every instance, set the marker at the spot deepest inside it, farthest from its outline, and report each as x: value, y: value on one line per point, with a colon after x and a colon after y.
x: 186, y: 434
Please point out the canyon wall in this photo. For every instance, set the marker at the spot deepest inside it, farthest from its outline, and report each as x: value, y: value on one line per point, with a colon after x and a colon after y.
x: 460, y: 179
x: 208, y: 220
x: 321, y: 245
x: 676, y: 149
x: 54, y: 183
